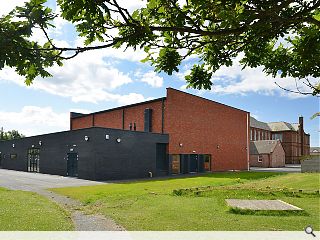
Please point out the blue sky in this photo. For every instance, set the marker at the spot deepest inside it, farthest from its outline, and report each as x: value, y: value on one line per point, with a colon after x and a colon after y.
x: 108, y: 78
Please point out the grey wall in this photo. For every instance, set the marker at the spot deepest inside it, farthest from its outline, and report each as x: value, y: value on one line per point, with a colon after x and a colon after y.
x: 311, y: 165
x: 99, y: 158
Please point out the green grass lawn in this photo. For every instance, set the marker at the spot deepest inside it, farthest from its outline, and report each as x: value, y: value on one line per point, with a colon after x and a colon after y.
x: 152, y: 205
x: 26, y: 211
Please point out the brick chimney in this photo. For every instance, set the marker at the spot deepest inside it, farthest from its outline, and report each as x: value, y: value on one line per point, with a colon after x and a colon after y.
x: 301, y: 133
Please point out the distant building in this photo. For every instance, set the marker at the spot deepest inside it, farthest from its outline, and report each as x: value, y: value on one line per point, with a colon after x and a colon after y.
x: 267, y: 153
x: 315, y: 151
x: 294, y: 140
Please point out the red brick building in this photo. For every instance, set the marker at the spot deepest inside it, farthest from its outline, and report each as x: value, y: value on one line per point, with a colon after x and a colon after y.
x: 295, y: 141
x: 267, y: 153
x: 203, y: 135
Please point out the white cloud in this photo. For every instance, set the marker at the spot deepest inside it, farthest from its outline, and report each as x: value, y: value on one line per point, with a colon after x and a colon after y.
x: 234, y: 80
x: 7, y: 6
x: 131, y: 98
x: 59, y: 22
x: 152, y: 79
x: 33, y: 120
x: 132, y: 5
x: 121, y: 53
x: 86, y: 78
x: 80, y: 110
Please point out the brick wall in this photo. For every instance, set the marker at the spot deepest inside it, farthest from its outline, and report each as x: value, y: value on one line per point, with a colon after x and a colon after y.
x: 207, y: 127
x: 291, y: 142
x: 278, y: 156
x: 136, y: 115
x: 111, y: 119
x: 114, y: 118
x: 264, y: 163
x: 292, y: 146
x: 81, y: 122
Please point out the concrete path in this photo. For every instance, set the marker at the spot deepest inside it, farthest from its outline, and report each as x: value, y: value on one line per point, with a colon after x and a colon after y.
x: 289, y: 168
x: 39, y: 183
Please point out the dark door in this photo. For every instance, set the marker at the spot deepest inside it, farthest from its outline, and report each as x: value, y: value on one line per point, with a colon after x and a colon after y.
x: 33, y: 159
x: 194, y: 163
x: 0, y: 160
x: 72, y: 164
x: 162, y: 162
x: 201, y: 163
x: 185, y: 163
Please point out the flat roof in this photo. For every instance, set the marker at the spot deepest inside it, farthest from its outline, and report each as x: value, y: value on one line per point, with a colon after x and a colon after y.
x: 83, y: 129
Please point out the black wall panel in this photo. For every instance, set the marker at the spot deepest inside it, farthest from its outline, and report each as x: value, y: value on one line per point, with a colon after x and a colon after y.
x: 99, y: 158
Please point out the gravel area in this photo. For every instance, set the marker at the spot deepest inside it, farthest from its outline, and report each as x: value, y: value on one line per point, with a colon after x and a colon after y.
x: 39, y: 183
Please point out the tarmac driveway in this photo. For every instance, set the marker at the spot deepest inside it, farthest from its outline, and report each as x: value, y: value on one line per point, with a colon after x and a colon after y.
x: 39, y: 183
x: 26, y: 181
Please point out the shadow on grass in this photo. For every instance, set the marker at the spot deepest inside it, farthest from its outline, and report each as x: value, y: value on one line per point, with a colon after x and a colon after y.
x: 284, y: 213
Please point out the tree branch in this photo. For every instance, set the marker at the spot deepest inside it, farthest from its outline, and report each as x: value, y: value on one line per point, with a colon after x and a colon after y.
x: 296, y: 91
x: 217, y: 33
x: 313, y: 20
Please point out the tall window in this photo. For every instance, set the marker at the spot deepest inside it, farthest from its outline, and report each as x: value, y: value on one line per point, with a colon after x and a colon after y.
x: 260, y: 158
x: 175, y: 167
x: 207, y: 162
x: 251, y: 134
x: 33, y: 159
x: 258, y: 136
x: 278, y: 136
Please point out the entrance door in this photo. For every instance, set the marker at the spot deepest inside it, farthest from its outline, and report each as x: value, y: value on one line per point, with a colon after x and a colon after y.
x: 0, y: 160
x: 33, y: 159
x: 72, y: 164
x: 194, y: 162
x: 185, y: 163
x: 162, y: 163
x: 201, y: 163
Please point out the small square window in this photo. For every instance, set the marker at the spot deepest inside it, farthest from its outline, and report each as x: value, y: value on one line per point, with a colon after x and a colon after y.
x: 13, y: 156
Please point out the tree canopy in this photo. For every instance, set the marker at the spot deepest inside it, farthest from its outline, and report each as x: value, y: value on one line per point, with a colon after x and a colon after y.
x: 281, y: 36
x: 14, y: 134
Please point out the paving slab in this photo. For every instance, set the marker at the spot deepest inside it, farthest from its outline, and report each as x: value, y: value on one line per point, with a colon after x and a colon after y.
x: 261, y: 204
